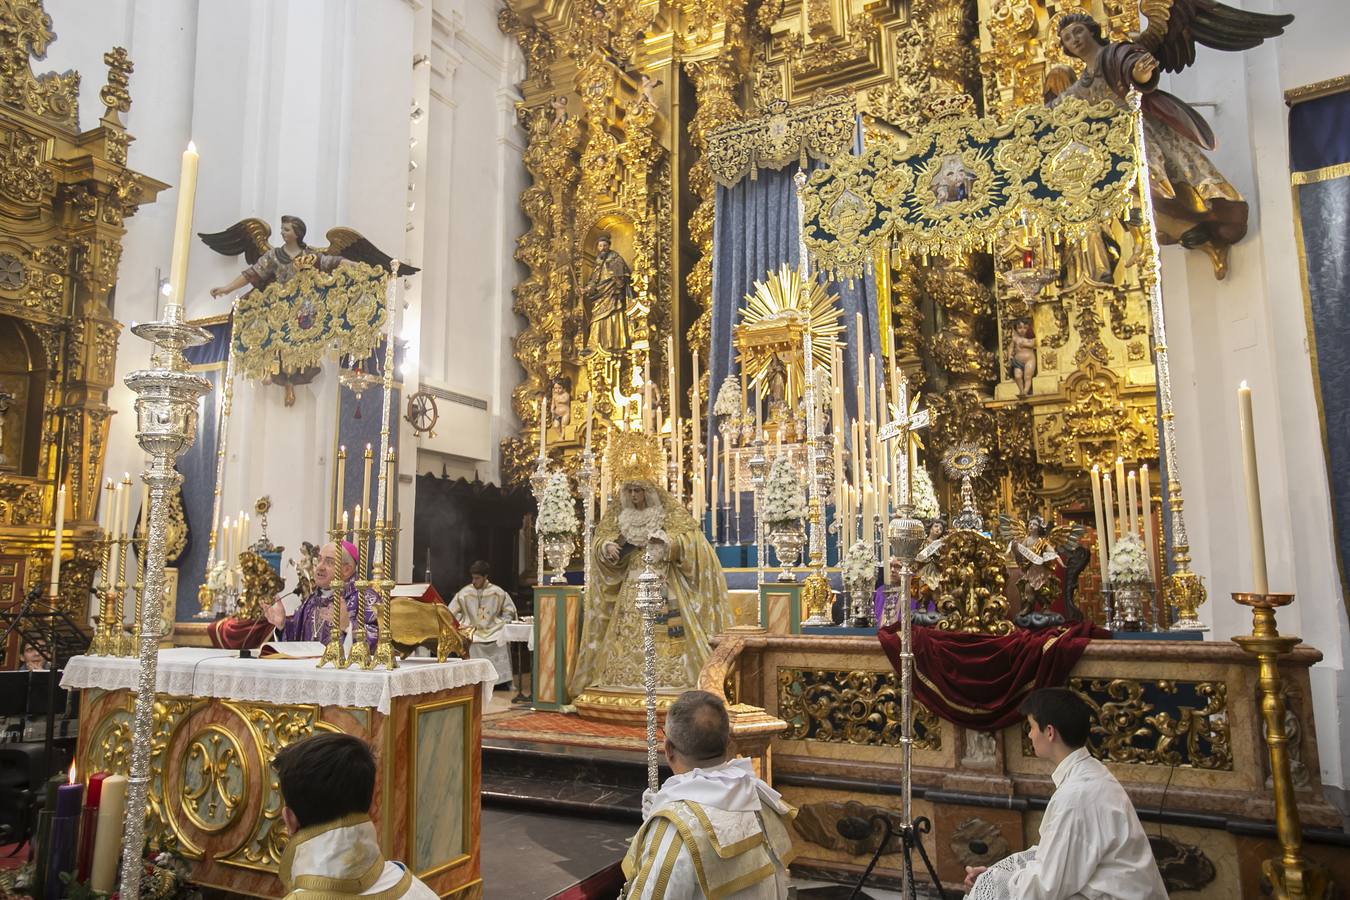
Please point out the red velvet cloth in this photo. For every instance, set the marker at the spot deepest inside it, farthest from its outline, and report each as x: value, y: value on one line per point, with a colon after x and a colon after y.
x: 978, y: 680
x: 238, y: 634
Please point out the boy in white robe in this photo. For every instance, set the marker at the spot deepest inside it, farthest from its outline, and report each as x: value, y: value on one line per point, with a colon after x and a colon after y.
x: 714, y: 829
x: 1092, y: 845
x: 327, y: 782
x: 486, y: 608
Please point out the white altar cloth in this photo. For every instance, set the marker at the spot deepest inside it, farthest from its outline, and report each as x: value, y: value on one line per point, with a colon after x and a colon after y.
x: 199, y: 672
x: 519, y: 632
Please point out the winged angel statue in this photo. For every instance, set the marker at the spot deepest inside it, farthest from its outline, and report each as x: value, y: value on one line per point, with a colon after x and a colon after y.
x: 304, y: 300
x: 1038, y: 552
x: 1195, y: 205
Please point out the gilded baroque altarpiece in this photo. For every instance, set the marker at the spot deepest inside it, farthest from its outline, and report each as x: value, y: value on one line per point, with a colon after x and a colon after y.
x: 64, y: 197
x: 634, y: 108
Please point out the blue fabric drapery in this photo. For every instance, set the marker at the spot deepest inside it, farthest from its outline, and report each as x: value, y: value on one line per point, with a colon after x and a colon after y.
x: 1319, y: 155
x: 755, y: 231
x: 198, y: 467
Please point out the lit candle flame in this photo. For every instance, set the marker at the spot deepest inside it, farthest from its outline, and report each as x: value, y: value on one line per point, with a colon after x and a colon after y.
x: 72, y: 772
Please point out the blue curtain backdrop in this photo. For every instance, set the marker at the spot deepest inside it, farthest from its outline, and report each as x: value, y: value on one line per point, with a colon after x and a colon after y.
x: 755, y: 231
x: 354, y: 434
x: 198, y: 467
x: 1319, y: 157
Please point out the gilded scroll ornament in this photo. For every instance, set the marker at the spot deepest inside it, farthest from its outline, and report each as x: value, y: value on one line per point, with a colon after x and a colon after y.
x: 1099, y: 421
x: 854, y: 707
x: 213, y: 779
x: 25, y: 177
x: 1162, y: 722
x: 821, y: 130
x: 963, y: 183
x: 970, y: 594
x: 26, y: 34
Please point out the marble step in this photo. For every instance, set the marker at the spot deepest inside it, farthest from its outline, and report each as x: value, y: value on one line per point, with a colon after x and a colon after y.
x: 557, y: 778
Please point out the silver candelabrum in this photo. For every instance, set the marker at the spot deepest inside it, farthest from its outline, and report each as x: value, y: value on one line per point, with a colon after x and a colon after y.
x: 539, y: 481
x: 758, y: 464
x: 906, y: 538
x: 586, y: 488
x: 649, y: 603
x: 166, y: 425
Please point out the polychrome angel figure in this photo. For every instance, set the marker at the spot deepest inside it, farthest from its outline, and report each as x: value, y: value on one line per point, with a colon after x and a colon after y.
x: 1034, y: 552
x: 268, y: 264
x: 1194, y: 204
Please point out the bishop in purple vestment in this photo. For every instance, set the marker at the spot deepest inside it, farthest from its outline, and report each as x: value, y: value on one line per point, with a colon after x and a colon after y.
x: 311, y: 620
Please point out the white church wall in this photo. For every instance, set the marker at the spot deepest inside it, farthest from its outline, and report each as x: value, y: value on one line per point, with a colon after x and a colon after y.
x: 473, y: 179
x: 1251, y: 326
x: 296, y: 108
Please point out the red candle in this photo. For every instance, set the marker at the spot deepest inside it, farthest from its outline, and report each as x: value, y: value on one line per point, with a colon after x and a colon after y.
x: 1028, y: 257
x: 88, y: 824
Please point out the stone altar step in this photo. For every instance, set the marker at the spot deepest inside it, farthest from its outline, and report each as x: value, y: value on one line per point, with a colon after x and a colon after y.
x: 563, y: 779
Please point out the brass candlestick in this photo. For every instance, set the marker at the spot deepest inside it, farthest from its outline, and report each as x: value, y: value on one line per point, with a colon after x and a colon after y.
x: 386, y: 533
x: 359, y: 655
x: 1292, y: 875
x: 332, y: 651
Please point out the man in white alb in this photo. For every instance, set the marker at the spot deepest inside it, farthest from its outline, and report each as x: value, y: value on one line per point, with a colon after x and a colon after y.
x: 714, y: 829
x: 1092, y: 845
x: 486, y: 608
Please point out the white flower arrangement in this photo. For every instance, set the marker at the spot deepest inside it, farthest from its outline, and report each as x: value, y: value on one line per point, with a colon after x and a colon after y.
x: 728, y: 402
x: 1129, y: 565
x: 216, y: 577
x: 784, y: 498
x: 859, y: 569
x: 557, y: 511
x: 922, y: 495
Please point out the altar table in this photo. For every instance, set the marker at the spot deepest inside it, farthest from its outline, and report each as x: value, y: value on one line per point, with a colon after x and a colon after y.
x: 219, y: 720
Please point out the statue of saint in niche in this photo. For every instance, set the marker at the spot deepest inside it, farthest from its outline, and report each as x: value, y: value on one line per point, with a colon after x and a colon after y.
x: 1022, y: 356
x: 606, y: 295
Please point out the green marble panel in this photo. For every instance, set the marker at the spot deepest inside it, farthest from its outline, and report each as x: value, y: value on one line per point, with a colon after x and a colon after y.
x: 439, y: 827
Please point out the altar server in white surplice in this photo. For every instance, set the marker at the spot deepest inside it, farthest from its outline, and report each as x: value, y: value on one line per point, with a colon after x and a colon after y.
x: 486, y: 608
x: 327, y: 783
x: 714, y: 829
x: 1092, y: 845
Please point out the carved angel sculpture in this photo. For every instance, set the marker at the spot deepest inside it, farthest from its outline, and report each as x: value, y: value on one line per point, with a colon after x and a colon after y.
x: 1194, y: 204
x: 1035, y: 551
x: 267, y: 264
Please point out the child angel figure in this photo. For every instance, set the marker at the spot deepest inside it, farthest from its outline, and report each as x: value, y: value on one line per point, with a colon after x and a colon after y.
x: 1022, y: 356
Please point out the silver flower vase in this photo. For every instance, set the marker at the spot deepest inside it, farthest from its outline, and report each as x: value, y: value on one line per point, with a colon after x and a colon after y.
x: 787, y: 546
x: 557, y: 550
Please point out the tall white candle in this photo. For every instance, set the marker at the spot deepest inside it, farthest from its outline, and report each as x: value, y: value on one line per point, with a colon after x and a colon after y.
x: 1098, y: 521
x: 108, y: 833
x: 543, y: 427
x: 1146, y: 513
x: 1260, y: 582
x: 227, y: 538
x: 590, y: 415
x: 55, y: 580
x: 182, y: 228
x: 1109, y: 509
x: 117, y: 499
x: 712, y: 493
x: 1132, y: 489
x: 1119, y: 488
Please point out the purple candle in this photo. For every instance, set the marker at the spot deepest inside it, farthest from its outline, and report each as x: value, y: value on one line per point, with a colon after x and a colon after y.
x: 63, y: 839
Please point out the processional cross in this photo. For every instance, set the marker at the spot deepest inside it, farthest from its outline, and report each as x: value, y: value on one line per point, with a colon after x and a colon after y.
x: 905, y: 422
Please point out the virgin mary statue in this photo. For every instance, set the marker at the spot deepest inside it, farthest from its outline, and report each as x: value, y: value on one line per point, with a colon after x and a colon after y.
x: 607, y: 680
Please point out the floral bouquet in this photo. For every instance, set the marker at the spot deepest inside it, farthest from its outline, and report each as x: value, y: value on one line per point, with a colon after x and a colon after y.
x: 1128, y: 565
x: 216, y: 577
x: 858, y: 568
x: 922, y: 496
x: 784, y: 499
x: 557, y: 511
x: 728, y: 402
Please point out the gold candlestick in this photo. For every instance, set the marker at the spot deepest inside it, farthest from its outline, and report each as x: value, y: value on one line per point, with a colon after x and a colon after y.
x: 1291, y: 874
x: 359, y: 655
x: 332, y: 651
x: 384, y: 586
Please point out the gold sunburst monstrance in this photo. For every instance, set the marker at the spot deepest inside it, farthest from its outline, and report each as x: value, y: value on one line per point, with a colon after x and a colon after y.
x: 773, y: 321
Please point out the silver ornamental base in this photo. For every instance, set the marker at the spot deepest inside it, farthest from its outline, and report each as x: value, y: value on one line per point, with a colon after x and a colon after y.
x: 862, y: 611
x: 166, y: 425
x: 905, y: 535
x: 558, y: 550
x: 787, y: 546
x: 650, y: 597
x: 1130, y: 602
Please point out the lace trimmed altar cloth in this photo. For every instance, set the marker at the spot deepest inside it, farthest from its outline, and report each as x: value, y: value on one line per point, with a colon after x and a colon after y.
x: 200, y: 672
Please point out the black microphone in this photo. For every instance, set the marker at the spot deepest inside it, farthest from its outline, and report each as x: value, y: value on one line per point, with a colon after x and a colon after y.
x: 856, y: 828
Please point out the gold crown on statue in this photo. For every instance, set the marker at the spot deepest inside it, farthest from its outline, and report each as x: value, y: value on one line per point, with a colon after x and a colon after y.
x: 634, y: 456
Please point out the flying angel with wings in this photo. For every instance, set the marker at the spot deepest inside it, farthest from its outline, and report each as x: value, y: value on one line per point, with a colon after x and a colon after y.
x: 1194, y: 204
x: 268, y: 264
x: 1034, y: 550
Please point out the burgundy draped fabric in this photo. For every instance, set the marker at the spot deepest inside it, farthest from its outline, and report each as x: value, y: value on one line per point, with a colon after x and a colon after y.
x: 978, y: 680
x: 238, y: 634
